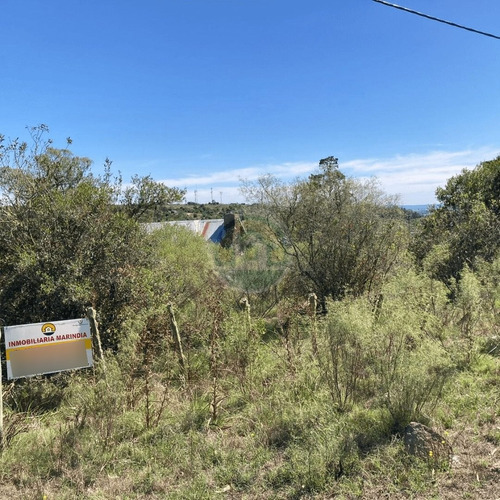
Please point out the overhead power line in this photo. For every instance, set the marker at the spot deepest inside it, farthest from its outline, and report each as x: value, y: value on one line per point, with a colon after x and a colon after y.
x: 436, y: 19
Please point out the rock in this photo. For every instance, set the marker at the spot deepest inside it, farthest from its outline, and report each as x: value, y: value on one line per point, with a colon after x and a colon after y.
x: 423, y: 442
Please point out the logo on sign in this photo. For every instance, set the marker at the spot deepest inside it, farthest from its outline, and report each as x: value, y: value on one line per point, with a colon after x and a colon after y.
x: 48, y: 328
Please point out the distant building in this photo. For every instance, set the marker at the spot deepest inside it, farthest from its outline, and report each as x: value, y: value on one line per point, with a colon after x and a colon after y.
x: 220, y: 231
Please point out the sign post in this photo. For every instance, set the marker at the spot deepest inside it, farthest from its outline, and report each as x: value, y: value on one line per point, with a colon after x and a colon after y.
x: 94, y: 328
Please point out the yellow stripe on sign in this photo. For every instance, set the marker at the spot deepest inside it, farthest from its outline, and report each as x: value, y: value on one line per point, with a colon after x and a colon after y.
x: 88, y: 345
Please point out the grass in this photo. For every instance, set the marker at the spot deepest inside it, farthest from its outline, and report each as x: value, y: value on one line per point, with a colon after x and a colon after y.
x: 279, y: 432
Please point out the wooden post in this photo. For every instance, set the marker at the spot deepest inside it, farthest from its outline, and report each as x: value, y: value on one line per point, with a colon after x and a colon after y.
x: 245, y: 304
x: 177, y: 336
x: 91, y: 315
x: 313, y: 305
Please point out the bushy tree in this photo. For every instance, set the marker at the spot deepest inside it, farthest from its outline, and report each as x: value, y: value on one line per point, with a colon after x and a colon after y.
x: 65, y: 245
x: 342, y: 235
x: 464, y: 228
x: 144, y: 195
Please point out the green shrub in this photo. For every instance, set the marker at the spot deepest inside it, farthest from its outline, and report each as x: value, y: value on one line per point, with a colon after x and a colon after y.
x: 384, y: 354
x: 37, y: 395
x: 369, y: 427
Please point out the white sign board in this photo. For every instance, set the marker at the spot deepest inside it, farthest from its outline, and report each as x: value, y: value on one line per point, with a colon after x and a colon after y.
x: 40, y: 348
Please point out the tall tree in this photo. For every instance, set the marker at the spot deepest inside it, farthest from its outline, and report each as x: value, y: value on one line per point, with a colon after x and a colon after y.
x: 465, y: 227
x: 64, y: 243
x: 342, y: 235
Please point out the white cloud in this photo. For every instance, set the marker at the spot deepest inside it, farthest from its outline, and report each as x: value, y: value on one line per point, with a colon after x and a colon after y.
x: 285, y: 170
x: 414, y: 177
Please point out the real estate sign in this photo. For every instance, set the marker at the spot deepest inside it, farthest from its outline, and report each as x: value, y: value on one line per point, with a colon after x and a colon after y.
x: 40, y: 348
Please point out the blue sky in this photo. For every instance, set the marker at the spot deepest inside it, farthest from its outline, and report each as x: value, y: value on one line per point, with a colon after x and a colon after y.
x: 202, y: 93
